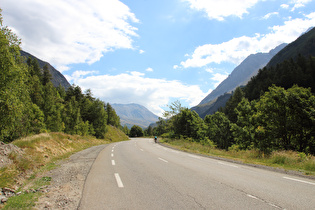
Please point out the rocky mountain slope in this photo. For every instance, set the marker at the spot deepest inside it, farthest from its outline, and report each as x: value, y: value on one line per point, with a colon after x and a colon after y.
x: 242, y: 73
x: 239, y: 77
x: 57, y: 77
x: 134, y: 114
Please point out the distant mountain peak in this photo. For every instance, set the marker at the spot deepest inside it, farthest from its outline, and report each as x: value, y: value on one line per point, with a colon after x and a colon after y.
x: 134, y: 114
x: 242, y: 73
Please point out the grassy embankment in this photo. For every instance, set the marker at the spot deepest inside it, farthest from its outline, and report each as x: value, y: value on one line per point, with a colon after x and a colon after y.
x: 287, y: 160
x: 41, y: 154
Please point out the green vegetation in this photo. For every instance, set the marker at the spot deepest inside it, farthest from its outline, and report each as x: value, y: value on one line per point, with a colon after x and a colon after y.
x: 30, y: 104
x: 287, y: 160
x: 136, y: 131
x: 261, y: 123
x: 40, y: 154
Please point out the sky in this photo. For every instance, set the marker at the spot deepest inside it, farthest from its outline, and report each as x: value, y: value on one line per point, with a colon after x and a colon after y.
x: 153, y: 53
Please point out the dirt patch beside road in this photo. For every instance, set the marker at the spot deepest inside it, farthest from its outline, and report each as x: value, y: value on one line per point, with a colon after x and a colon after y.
x: 68, y: 180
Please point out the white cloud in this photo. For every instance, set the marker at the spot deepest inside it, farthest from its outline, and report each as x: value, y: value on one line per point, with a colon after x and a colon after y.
x: 284, y: 6
x: 210, y: 70
x: 219, y: 78
x: 267, y: 16
x: 141, y: 51
x: 221, y: 9
x: 64, y: 32
x: 299, y: 3
x: 134, y: 87
x: 237, y: 49
x: 149, y: 69
x: 175, y: 67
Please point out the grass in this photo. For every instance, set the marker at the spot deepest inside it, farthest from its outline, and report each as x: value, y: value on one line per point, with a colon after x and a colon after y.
x: 287, y: 160
x: 41, y: 154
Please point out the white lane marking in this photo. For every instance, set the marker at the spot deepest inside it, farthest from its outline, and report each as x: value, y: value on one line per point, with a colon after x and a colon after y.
x: 141, y: 150
x: 112, y: 150
x: 112, y: 155
x: 298, y: 180
x: 163, y: 160
x: 118, y: 180
x: 226, y: 164
x: 113, y: 162
x: 194, y: 156
x: 251, y: 196
x: 261, y: 200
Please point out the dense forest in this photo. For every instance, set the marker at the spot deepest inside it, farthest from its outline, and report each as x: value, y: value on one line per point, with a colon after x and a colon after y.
x: 30, y: 104
x: 275, y: 111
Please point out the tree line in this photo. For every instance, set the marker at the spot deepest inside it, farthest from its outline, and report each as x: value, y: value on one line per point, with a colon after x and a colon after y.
x: 275, y: 111
x: 30, y: 104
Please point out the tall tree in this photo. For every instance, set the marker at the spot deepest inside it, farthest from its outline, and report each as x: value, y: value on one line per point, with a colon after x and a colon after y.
x: 14, y: 97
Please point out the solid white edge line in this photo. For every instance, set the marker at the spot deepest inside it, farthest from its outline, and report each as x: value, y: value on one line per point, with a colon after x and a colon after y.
x: 298, y: 180
x: 226, y: 164
x: 118, y: 180
x: 163, y: 160
x: 113, y: 162
x: 194, y: 156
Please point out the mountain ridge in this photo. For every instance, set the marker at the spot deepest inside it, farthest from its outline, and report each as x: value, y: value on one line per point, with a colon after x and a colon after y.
x: 134, y: 114
x: 249, y: 66
x: 240, y: 76
x: 57, y: 77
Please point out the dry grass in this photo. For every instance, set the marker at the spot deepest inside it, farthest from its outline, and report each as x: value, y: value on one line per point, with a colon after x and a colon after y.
x: 42, y: 151
x: 40, y: 154
x: 288, y: 160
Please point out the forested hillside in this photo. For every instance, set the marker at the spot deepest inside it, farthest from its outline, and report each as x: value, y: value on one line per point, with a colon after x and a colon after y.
x: 30, y: 104
x: 57, y: 77
x: 275, y: 111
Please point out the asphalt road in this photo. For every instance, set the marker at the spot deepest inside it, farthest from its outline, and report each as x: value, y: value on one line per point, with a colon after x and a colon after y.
x: 140, y: 174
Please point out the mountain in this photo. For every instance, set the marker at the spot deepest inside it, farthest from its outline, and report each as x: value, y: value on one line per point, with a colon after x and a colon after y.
x: 57, y: 77
x: 211, y: 107
x: 304, y: 45
x: 239, y: 77
x: 242, y: 73
x: 134, y: 114
x: 293, y: 65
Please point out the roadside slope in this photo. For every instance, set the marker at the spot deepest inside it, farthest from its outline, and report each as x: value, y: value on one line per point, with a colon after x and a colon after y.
x: 33, y: 168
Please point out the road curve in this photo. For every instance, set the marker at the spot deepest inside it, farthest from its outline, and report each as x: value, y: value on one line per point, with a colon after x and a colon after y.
x: 139, y: 174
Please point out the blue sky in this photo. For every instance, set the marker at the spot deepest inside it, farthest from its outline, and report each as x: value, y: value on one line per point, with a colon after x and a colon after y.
x: 153, y: 52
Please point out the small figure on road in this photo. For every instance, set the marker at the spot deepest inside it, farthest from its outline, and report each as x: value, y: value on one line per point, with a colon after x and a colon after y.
x: 155, y: 139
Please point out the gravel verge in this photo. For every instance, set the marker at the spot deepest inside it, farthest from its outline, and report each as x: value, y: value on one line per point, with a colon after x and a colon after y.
x: 65, y: 190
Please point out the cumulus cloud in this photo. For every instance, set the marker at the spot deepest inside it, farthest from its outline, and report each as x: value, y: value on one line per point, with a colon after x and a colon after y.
x: 65, y: 32
x: 149, y: 69
x: 284, y: 6
x: 218, y: 78
x: 134, y: 87
x: 221, y: 9
x: 267, y: 16
x: 237, y: 49
x: 299, y: 3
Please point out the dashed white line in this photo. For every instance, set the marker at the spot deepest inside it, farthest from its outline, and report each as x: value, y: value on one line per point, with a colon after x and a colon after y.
x: 298, y: 180
x: 251, y: 196
x: 112, y: 154
x: 163, y: 160
x: 141, y: 150
x: 226, y: 164
x: 113, y: 162
x: 270, y: 204
x: 118, y: 180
